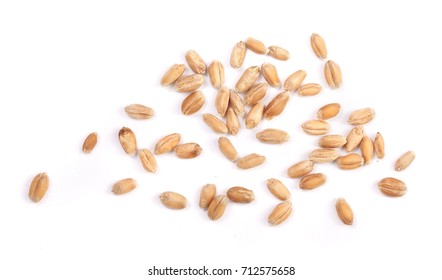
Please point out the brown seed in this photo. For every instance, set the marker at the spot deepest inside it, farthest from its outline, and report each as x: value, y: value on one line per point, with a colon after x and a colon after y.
x: 128, y: 141
x: 217, y: 207
x: 270, y: 75
x: 315, y: 127
x: 167, y: 143
x: 255, y: 94
x: 350, y: 161
x: 392, y: 187
x: 38, y: 187
x: 139, y: 112
x: 404, y: 161
x: 148, y: 160
x: 309, y: 89
x: 300, y: 169
x: 188, y: 150
x: 192, y: 103
x: 333, y: 75
x: 273, y: 136
x: 354, y: 138
x: 332, y: 141
x: 215, y: 124
x: 361, y: 116
x: 318, y: 46
x: 328, y: 111
x: 195, y: 62
x: 232, y: 122
x: 324, y: 155
x: 278, y: 189
x: 312, y: 181
x: 189, y: 83
x: 294, y: 80
x: 240, y: 194
x: 344, y: 211
x: 227, y: 149
x: 256, y: 46
x: 247, y: 79
x: 173, y: 200
x: 367, y: 149
x: 280, y: 213
x: 90, y: 142
x: 254, y: 116
x: 208, y: 193
x: 238, y: 55
x: 124, y: 186
x: 236, y: 103
x: 222, y: 101
x: 278, y: 53
x: 277, y: 105
x: 379, y: 146
x: 250, y: 161
x: 172, y: 74
x: 216, y: 74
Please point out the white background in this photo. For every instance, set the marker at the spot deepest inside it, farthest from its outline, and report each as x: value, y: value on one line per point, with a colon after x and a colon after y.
x: 68, y: 68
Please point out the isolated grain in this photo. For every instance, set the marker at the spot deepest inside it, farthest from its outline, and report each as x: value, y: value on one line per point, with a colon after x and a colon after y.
x: 124, y: 186
x: 333, y: 74
x: 404, y: 161
x: 361, y: 116
x: 278, y: 189
x: 273, y: 136
x: 254, y: 116
x: 217, y: 207
x: 247, y: 79
x: 148, y: 160
x: 392, y: 187
x: 208, y: 193
x: 256, y: 46
x: 189, y: 83
x: 90, y: 142
x: 324, y: 155
x: 188, y: 150
x: 332, y: 141
x: 173, y: 200
x: 310, y: 89
x: 172, y: 74
x: 38, y: 187
x: 379, y: 146
x: 318, y: 46
x: 315, y: 127
x: 328, y: 111
x: 192, y: 103
x: 216, y: 74
x: 354, y: 138
x: 195, y: 62
x: 350, y: 161
x: 215, y: 124
x: 227, y: 149
x: 222, y: 101
x: 236, y: 103
x: 167, y: 143
x: 344, y: 211
x: 232, y: 122
x: 270, y: 74
x: 300, y: 169
x: 255, y: 94
x: 250, y: 161
x: 312, y: 181
x: 139, y: 112
x: 278, y: 53
x: 277, y: 105
x: 128, y: 141
x: 367, y: 149
x: 280, y: 213
x: 240, y: 195
x: 294, y: 80
x: 238, y: 55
